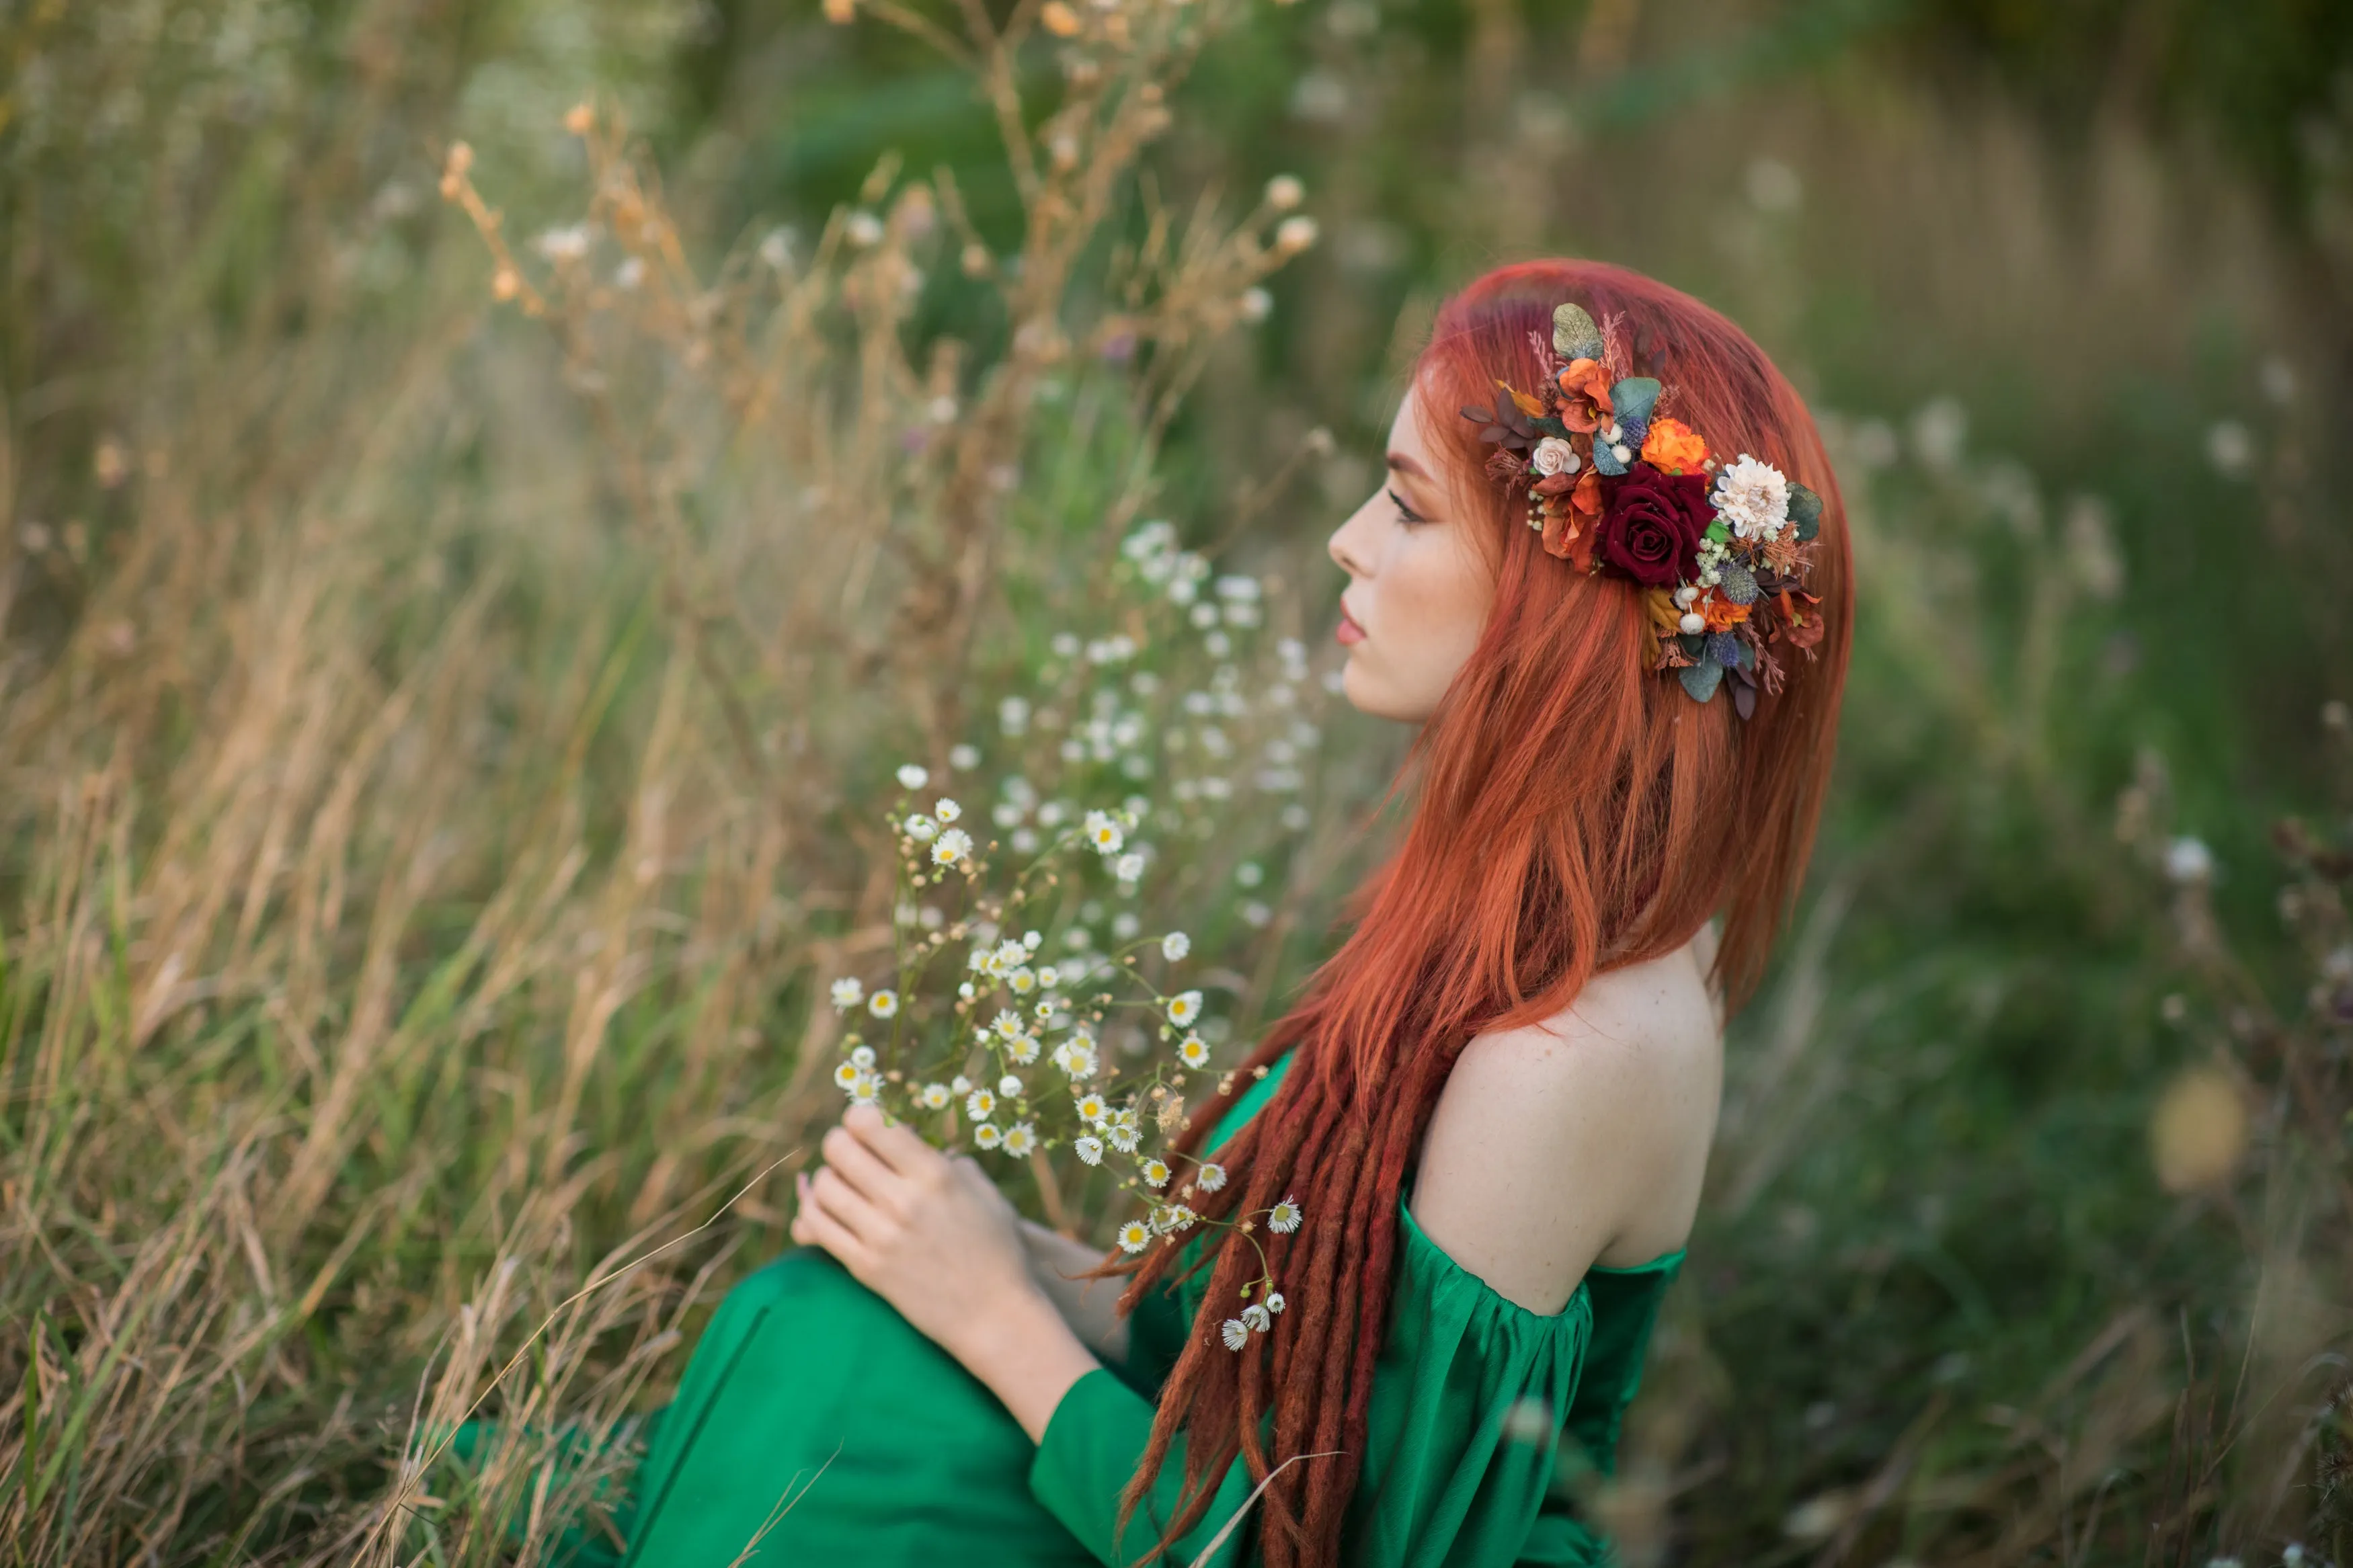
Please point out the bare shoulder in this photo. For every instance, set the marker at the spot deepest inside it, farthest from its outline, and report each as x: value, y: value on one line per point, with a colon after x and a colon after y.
x: 1581, y: 1140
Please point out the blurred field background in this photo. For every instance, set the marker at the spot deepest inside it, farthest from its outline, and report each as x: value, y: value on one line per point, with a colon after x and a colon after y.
x: 438, y: 745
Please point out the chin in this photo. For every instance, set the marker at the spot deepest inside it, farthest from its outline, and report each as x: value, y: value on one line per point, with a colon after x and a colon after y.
x: 1367, y: 694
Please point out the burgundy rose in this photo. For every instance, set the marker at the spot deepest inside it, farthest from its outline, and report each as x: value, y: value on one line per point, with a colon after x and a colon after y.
x: 1653, y: 524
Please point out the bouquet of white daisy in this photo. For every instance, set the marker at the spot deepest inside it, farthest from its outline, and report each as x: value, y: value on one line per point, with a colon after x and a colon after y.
x: 1007, y: 1024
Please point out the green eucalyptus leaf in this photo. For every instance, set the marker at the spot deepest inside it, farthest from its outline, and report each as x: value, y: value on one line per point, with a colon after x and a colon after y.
x: 1702, y: 680
x: 1633, y: 398
x: 1805, y: 511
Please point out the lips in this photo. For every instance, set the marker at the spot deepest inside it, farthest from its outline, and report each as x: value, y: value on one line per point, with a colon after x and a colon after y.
x: 1349, y: 632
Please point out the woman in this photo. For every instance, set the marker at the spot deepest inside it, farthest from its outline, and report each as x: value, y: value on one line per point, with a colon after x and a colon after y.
x: 1496, y: 1103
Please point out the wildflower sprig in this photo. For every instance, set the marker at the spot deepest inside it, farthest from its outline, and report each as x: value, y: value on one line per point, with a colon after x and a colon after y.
x: 1008, y: 1026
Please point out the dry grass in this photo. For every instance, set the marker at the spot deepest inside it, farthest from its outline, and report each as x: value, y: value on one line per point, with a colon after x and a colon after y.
x: 437, y: 730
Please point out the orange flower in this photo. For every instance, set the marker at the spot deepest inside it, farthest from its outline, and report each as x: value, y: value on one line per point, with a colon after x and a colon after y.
x: 1720, y: 613
x: 1672, y: 448
x: 1584, y: 395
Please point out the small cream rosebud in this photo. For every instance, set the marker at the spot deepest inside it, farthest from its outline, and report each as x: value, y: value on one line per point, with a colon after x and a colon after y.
x: 1285, y: 192
x: 1692, y: 625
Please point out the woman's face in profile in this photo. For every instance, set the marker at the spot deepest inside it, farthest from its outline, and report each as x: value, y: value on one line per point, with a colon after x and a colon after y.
x: 1418, y: 585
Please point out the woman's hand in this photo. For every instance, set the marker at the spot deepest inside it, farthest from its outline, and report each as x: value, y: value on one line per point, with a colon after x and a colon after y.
x: 932, y: 1237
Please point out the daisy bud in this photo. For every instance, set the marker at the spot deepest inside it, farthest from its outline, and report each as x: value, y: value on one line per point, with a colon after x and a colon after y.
x: 1293, y: 234
x: 1174, y: 946
x: 912, y: 776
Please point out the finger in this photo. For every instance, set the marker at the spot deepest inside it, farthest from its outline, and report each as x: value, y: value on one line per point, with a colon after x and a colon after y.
x: 844, y: 1204
x: 813, y: 1226
x: 847, y: 1155
x: 895, y: 1142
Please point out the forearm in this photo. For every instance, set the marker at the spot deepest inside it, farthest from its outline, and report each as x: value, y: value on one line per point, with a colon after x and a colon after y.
x: 1026, y: 1355
x: 1091, y: 1306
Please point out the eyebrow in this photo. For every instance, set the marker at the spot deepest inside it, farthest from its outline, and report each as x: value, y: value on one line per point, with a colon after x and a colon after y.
x: 1405, y: 464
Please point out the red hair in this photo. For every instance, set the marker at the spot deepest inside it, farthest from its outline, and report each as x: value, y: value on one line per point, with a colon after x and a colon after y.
x: 1577, y: 813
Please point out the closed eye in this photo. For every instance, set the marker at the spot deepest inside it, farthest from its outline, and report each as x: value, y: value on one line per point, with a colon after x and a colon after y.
x: 1405, y: 511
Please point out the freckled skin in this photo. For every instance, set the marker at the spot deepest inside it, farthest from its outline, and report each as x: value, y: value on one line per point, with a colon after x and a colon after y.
x: 1420, y: 589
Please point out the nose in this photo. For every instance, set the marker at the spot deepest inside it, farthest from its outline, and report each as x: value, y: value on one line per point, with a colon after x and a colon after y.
x: 1343, y: 549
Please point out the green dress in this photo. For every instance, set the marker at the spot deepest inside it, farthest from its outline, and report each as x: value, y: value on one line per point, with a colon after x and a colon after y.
x: 812, y: 1408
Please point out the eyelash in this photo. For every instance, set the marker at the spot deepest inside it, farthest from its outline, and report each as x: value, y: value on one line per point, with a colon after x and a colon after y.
x: 1404, y: 511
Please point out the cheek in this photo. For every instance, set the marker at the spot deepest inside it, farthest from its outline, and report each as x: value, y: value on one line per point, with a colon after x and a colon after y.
x: 1448, y: 590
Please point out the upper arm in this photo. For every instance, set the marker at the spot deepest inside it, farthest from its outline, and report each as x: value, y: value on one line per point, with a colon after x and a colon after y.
x: 1553, y: 1141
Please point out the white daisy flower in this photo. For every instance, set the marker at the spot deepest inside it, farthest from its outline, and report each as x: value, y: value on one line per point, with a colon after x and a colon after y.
x: 1182, y: 1009
x: 1089, y: 1106
x: 865, y: 1086
x: 1006, y: 1025
x: 987, y: 1136
x: 1078, y: 1060
x: 1210, y: 1177
x: 981, y: 1104
x: 1753, y: 497
x: 1156, y: 1173
x: 1125, y: 1117
x: 847, y: 994
x: 922, y: 828
x: 1089, y: 1149
x: 912, y: 776
x: 935, y: 1096
x: 1021, y: 1139
x: 884, y: 1004
x: 1033, y: 940
x: 863, y: 1055
x: 1104, y: 834
x: 1050, y: 977
x: 1024, y: 1050
x: 1175, y: 945
x: 1128, y: 868
x: 1284, y: 1218
x: 1044, y: 1011
x: 1258, y: 1318
x: 846, y: 1075
x: 1122, y: 1138
x: 1008, y: 957
x: 1022, y: 981
x: 1236, y: 1332
x: 1193, y: 1051
x: 1010, y: 1087
x: 946, y: 810
x: 1134, y: 1237
x: 951, y: 847
x: 1175, y: 1218
x: 1274, y: 1302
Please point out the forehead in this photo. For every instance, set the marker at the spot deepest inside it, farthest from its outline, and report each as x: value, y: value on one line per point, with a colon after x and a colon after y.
x: 1406, y: 436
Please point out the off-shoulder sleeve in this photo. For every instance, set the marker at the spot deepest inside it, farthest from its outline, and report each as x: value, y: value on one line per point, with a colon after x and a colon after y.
x: 1091, y: 1446
x: 1469, y: 1399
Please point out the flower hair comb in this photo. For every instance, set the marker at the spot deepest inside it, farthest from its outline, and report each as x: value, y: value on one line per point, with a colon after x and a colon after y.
x: 1721, y: 550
